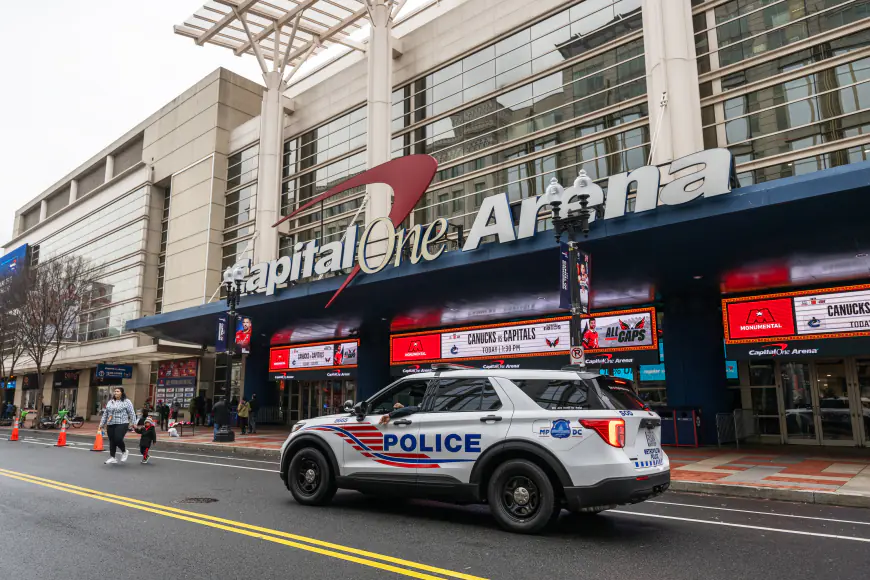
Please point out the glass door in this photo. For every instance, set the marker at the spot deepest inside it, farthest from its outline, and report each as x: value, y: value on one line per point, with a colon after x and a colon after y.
x: 833, y: 406
x: 861, y: 401
x: 821, y: 402
x: 797, y: 399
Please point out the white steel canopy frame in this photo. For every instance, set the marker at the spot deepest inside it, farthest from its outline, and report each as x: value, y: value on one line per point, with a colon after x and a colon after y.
x: 282, y: 35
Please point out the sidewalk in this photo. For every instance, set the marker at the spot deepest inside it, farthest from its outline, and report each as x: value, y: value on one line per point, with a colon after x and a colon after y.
x: 266, y: 443
x: 805, y: 474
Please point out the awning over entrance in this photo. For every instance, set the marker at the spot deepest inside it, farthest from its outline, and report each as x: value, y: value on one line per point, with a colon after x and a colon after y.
x: 802, y: 223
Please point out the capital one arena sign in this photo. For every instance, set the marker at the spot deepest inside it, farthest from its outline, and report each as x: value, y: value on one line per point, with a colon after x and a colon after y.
x: 704, y: 174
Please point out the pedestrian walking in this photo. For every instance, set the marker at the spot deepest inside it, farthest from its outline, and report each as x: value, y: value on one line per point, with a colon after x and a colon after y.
x: 244, y: 411
x: 208, y: 411
x: 252, y: 416
x: 221, y: 415
x: 148, y: 438
x: 118, y: 417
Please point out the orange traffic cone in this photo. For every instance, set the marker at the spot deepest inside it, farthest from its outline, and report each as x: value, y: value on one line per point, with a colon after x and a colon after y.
x: 61, y: 439
x: 14, y: 436
x: 98, y: 442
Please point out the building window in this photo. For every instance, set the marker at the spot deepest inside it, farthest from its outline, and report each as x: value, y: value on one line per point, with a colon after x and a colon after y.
x: 783, y: 121
x: 161, y: 257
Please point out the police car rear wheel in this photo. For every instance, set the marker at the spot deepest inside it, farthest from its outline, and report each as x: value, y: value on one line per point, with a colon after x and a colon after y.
x: 521, y: 497
x: 310, y: 477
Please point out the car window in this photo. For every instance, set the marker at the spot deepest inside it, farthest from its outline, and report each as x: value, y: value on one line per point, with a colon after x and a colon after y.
x: 408, y: 393
x: 618, y: 394
x: 463, y: 395
x: 560, y: 394
x: 490, y: 400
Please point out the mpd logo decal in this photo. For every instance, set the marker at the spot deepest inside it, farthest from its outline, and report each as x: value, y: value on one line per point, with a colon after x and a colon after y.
x: 402, y: 449
x: 561, y: 429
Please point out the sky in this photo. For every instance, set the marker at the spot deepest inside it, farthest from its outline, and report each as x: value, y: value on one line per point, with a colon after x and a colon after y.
x: 78, y: 75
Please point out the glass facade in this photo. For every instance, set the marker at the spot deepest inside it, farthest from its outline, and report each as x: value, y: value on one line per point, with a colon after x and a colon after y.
x: 781, y: 84
x: 241, y: 207
x: 565, y: 91
x: 113, y: 240
x: 161, y: 257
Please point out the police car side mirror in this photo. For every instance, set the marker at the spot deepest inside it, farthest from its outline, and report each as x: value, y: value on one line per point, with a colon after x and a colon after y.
x: 360, y: 409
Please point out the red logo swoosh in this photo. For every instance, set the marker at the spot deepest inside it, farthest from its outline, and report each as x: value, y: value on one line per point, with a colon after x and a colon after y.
x: 407, y: 176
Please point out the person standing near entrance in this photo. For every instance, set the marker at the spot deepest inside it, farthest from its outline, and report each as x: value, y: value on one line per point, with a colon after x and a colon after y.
x: 253, y: 404
x: 221, y: 415
x: 163, y: 413
x: 191, y: 409
x: 118, y: 417
x: 244, y: 413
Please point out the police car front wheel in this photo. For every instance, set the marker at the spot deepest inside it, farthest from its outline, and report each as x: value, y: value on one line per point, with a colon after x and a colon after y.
x: 521, y: 497
x: 310, y: 477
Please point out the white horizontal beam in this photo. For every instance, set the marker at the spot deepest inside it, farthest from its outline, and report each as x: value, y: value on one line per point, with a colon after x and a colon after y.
x: 211, y: 32
x: 284, y: 19
x: 326, y: 36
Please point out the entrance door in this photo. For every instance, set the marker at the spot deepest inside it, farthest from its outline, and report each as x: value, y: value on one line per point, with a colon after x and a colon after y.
x: 861, y: 400
x: 833, y: 407
x: 797, y: 399
x: 819, y: 402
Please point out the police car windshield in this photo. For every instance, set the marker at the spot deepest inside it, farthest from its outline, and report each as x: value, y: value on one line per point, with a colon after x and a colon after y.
x: 618, y: 394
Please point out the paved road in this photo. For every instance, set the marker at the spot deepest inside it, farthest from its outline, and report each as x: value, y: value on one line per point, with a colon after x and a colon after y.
x: 67, y: 513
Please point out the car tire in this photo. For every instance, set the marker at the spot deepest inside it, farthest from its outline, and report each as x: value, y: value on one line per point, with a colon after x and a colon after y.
x: 310, y: 477
x: 521, y: 497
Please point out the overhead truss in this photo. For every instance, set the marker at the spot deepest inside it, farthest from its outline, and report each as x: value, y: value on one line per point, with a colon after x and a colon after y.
x: 284, y: 32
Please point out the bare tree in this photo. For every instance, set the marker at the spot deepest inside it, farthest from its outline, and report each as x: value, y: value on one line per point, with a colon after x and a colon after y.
x: 53, y: 296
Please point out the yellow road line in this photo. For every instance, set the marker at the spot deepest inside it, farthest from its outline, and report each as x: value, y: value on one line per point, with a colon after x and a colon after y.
x: 267, y: 534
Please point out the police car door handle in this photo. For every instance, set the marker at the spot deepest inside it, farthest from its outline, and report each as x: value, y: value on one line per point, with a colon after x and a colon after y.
x: 402, y: 422
x: 490, y: 418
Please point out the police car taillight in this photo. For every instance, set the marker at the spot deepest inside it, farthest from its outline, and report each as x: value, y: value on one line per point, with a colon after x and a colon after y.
x: 611, y: 430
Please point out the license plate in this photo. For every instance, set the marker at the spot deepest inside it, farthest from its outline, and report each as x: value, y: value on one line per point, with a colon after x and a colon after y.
x: 651, y: 438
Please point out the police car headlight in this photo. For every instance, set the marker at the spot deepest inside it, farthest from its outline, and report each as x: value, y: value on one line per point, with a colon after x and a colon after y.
x: 297, y: 427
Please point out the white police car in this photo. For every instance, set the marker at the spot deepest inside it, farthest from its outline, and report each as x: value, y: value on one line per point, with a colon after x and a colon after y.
x: 527, y: 442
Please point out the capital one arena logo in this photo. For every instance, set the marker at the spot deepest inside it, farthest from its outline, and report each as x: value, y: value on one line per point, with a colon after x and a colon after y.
x: 410, y: 176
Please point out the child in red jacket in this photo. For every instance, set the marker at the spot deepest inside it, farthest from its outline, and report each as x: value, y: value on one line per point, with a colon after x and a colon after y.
x: 149, y: 438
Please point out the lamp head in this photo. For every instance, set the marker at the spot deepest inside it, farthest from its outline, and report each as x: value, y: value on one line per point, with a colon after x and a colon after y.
x: 554, y: 192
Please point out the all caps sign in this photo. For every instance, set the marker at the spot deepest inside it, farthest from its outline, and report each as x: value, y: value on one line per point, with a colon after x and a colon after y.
x: 701, y: 175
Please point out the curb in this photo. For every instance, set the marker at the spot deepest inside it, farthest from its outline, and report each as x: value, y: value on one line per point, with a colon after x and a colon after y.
x: 173, y: 446
x: 842, y: 499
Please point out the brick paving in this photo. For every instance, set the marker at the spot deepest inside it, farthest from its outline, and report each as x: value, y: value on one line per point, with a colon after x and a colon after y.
x: 814, y: 469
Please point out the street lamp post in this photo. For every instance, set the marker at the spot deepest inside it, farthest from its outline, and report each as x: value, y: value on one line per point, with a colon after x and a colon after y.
x: 571, y: 223
x: 233, y: 280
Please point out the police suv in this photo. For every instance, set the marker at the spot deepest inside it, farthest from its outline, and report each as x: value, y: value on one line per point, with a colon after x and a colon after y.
x: 527, y: 442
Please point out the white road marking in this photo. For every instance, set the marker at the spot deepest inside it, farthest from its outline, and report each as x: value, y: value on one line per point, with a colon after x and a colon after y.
x: 166, y: 458
x: 161, y: 451
x: 744, y: 526
x: 708, y: 507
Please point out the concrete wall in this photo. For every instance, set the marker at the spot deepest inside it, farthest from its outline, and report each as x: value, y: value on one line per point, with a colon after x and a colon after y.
x: 188, y: 145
